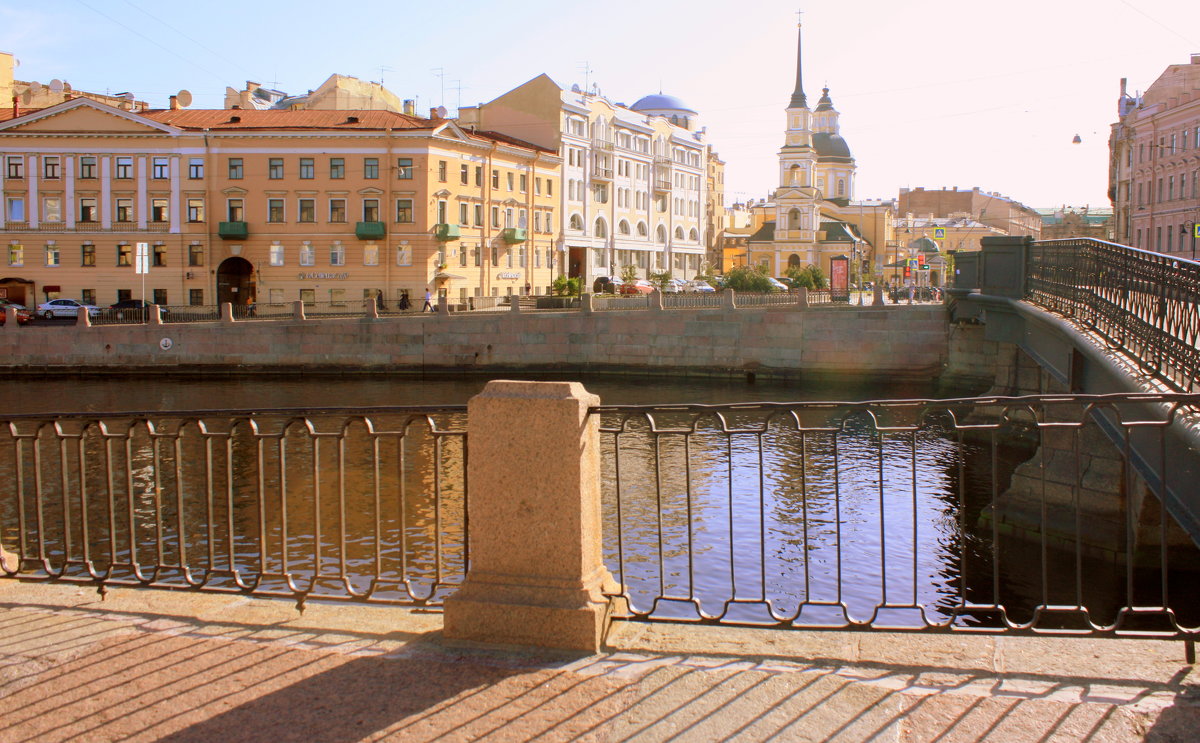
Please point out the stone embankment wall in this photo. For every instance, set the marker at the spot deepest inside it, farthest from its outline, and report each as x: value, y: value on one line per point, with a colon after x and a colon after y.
x: 897, y: 342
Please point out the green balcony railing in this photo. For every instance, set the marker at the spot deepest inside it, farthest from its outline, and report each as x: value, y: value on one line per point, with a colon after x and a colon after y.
x: 233, y: 230
x: 368, y: 230
x: 515, y: 235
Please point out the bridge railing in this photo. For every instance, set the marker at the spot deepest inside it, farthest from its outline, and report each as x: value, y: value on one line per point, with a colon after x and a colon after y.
x: 1147, y: 305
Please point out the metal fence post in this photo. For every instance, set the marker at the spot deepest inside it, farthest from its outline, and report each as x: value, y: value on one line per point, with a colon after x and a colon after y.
x: 536, y: 574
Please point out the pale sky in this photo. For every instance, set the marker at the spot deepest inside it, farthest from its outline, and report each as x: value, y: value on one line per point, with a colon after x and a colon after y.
x: 932, y: 92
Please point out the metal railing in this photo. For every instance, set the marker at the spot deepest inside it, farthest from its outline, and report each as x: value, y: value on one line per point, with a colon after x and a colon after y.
x: 606, y: 302
x: 1147, y: 305
x: 366, y: 505
x: 684, y: 300
x: 1003, y: 515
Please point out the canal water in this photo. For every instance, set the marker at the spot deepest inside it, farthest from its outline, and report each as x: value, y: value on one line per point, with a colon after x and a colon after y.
x: 760, y: 525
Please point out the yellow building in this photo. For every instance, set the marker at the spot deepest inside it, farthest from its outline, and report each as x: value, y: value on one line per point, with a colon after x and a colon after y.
x: 270, y: 206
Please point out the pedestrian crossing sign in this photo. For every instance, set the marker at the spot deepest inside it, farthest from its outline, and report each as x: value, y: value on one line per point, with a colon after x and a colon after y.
x: 1196, y: 230
x: 939, y: 233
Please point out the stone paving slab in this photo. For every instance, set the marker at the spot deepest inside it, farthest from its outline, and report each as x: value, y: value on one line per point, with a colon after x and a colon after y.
x: 149, y: 665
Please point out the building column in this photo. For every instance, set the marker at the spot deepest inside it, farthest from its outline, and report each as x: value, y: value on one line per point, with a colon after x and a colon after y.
x: 536, y: 576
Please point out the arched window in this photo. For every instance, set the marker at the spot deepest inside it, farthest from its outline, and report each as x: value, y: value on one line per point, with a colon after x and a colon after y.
x: 576, y: 222
x: 694, y: 236
x: 841, y: 186
x: 601, y: 228
x: 641, y: 228
x: 794, y: 175
x: 623, y: 227
x: 678, y: 233
x: 660, y: 235
x: 794, y: 219
x: 793, y: 261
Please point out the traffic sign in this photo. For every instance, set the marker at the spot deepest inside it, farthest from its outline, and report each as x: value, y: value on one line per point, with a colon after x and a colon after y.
x: 1196, y: 230
x: 939, y: 233
x: 142, y: 262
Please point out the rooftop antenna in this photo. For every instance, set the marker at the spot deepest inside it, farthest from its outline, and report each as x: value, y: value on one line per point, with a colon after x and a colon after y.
x: 383, y: 69
x: 586, y: 68
x: 458, y: 88
x: 440, y: 74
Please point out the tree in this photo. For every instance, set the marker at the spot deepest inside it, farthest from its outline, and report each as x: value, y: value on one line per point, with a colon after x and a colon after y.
x: 810, y: 277
x: 747, y: 279
x: 567, y: 287
x: 629, y: 274
x: 660, y: 279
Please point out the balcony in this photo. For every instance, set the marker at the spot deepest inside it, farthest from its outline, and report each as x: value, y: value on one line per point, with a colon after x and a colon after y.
x: 369, y: 230
x: 232, y: 230
x: 515, y: 235
x: 662, y: 183
x: 446, y: 232
x: 602, y: 144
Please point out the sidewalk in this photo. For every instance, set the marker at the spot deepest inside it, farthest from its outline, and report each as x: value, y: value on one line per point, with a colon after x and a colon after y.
x: 161, y: 665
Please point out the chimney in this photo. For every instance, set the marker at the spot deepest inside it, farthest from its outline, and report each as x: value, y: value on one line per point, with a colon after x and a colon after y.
x: 252, y: 86
x: 1125, y: 81
x: 16, y: 106
x: 410, y: 107
x: 1196, y: 59
x: 433, y: 114
x: 174, y: 103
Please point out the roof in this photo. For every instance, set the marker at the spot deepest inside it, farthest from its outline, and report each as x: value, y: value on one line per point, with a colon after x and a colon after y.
x: 837, y: 232
x: 924, y: 245
x: 826, y: 103
x: 222, y: 118
x: 830, y: 146
x: 765, y: 234
x: 660, y: 102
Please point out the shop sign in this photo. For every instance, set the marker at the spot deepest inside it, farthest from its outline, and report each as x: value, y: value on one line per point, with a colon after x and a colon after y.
x: 508, y: 275
x: 313, y: 275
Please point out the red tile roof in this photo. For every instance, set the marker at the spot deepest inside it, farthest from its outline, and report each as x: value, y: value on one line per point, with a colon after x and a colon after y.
x: 223, y: 119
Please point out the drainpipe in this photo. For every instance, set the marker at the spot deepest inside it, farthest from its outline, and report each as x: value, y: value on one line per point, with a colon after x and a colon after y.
x: 209, y: 164
x: 485, y: 246
x: 530, y: 239
x: 389, y: 206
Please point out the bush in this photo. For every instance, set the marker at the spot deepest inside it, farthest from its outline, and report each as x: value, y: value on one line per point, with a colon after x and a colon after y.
x: 809, y: 277
x: 747, y: 279
x: 567, y: 287
x: 660, y: 279
x: 629, y: 274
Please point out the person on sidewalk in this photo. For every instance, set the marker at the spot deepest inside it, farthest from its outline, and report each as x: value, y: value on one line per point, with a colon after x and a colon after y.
x: 428, y: 301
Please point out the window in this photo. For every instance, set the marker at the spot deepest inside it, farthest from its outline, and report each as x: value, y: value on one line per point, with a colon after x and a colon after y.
x: 308, y: 256
x: 404, y: 210
x: 124, y: 210
x: 15, y: 209
x: 509, y: 180
x: 195, y: 255
x: 462, y: 255
x: 88, y: 296
x: 337, y: 168
x: 159, y: 211
x: 87, y: 210
x: 524, y: 183
x: 195, y: 210
x: 16, y: 166
x: 160, y: 297
x: 16, y: 255
x: 160, y: 168
x: 478, y: 175
x: 442, y: 171
x: 307, y: 169
x: 52, y: 255
x: 124, y: 255
x: 537, y: 222
x: 337, y: 255
x: 235, y: 211
x: 464, y: 174
x: 196, y: 297
x: 87, y: 255
x: 370, y: 254
x: 576, y: 222
x: 600, y: 190
x: 308, y: 210
x: 308, y: 296
x: 404, y: 168
x: 549, y: 187
x: 508, y: 217
x: 50, y: 167
x: 274, y: 210
x: 370, y: 210
x: 496, y: 179
x: 87, y: 167
x: 124, y: 169
x: 159, y: 258
x: 601, y: 228
x: 124, y: 295
x: 52, y: 209
x: 275, y: 256
x: 235, y: 168
x: 371, y: 168
x: 495, y: 216
x: 195, y: 168
x: 275, y: 168
x: 537, y: 186
x: 337, y: 210
x: 463, y: 213
x: 337, y: 296
x: 403, y: 255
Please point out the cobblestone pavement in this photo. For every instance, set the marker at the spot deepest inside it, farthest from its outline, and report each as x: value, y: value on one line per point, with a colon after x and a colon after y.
x: 159, y: 665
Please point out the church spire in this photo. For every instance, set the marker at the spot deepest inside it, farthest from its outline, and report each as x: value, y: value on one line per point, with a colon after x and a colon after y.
x: 798, y: 98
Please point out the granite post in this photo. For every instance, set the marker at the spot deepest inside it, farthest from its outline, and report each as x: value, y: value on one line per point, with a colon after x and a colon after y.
x: 536, y: 575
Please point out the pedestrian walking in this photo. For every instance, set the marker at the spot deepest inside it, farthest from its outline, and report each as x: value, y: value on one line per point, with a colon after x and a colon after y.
x: 428, y: 301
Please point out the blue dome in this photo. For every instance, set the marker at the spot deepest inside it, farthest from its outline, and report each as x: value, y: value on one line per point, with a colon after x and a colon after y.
x: 660, y: 102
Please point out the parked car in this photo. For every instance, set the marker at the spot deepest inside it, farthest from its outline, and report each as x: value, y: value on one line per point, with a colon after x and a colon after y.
x: 23, y: 313
x: 674, y: 286
x: 66, y: 308
x: 778, y: 286
x: 641, y: 286
x: 133, y: 309
x: 696, y: 286
x: 606, y: 285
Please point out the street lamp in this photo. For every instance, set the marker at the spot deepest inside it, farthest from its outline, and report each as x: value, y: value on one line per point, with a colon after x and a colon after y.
x: 1184, y: 229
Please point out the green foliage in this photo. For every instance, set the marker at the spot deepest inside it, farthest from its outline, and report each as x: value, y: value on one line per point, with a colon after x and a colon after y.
x: 660, y: 279
x: 810, y: 277
x: 567, y: 287
x: 629, y: 274
x: 747, y: 279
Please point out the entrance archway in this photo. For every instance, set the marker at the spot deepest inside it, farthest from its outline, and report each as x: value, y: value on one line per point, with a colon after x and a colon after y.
x: 235, y: 281
x: 18, y: 291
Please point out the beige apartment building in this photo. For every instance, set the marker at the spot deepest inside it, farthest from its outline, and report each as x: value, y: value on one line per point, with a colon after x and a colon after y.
x: 1154, y: 163
x: 250, y: 206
